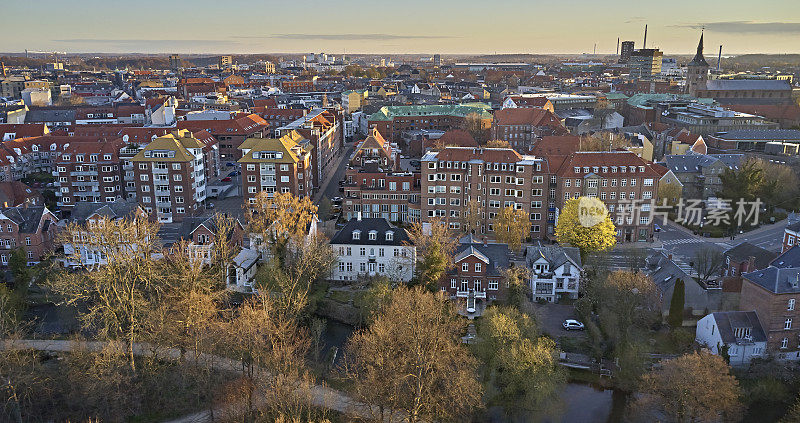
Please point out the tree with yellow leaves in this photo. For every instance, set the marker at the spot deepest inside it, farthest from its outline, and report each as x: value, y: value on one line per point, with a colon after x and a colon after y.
x: 585, y: 224
x: 511, y: 227
x: 281, y: 218
x: 498, y: 144
x: 472, y: 217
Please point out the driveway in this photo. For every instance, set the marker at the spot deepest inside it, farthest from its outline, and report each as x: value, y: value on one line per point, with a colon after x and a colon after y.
x: 551, y: 316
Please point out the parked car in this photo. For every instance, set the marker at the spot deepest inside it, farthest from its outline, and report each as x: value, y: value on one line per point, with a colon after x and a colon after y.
x: 210, y: 205
x: 571, y: 324
x: 230, y: 164
x: 226, y: 179
x: 234, y: 173
x: 336, y: 200
x: 656, y: 228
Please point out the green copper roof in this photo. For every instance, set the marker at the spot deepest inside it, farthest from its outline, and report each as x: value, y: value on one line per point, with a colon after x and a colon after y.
x: 387, y: 113
x: 639, y: 100
x: 616, y: 95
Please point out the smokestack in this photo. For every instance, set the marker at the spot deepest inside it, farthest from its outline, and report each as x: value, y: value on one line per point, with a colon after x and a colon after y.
x: 719, y: 58
x: 644, y: 44
x: 617, y: 46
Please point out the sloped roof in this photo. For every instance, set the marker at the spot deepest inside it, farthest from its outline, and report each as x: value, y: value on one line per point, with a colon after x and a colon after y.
x: 554, y: 255
x: 365, y: 225
x: 179, y: 143
x: 727, y: 321
x: 748, y: 84
x: 119, y: 209
x: 286, y: 145
x: 26, y: 218
x: 745, y: 250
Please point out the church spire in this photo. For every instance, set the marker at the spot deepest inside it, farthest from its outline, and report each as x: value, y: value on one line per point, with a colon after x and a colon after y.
x: 698, y: 59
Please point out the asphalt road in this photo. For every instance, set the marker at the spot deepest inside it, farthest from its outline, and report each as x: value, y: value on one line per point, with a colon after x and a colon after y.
x: 330, y: 187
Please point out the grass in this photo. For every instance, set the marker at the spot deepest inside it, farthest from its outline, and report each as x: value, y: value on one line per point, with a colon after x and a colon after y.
x: 340, y: 296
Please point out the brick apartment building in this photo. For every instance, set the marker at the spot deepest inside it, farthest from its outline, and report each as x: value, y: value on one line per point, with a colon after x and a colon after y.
x: 523, y: 127
x: 477, y: 277
x: 170, y: 177
x: 322, y: 133
x: 89, y: 171
x: 276, y: 165
x: 774, y: 293
x: 32, y: 228
x: 494, y: 177
x: 297, y: 85
x: 229, y: 133
x: 392, y: 121
x: 625, y: 182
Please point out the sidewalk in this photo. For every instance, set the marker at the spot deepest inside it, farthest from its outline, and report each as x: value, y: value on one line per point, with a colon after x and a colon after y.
x: 334, y: 170
x: 756, y: 231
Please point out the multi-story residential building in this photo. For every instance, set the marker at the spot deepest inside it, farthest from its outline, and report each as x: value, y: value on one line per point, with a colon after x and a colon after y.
x: 322, y: 133
x: 701, y: 174
x: 523, y: 127
x: 791, y: 236
x: 555, y: 272
x: 773, y: 293
x: 88, y: 171
x: 368, y: 247
x: 493, y: 177
x: 276, y: 165
x: 32, y: 228
x: 477, y: 279
x: 745, y: 258
x: 170, y: 176
x: 707, y: 120
x: 200, y: 233
x: 392, y: 121
x: 276, y: 117
x: 375, y: 149
x: 625, y: 182
x: 297, y: 85
x: 230, y: 133
x: 739, y: 331
x: 90, y: 213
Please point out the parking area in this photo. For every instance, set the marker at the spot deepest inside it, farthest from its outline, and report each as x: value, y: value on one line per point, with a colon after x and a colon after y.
x: 551, y: 316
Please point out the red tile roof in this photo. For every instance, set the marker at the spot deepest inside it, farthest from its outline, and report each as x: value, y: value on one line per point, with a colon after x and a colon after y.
x: 526, y: 116
x: 559, y: 145
x: 606, y: 159
x: 457, y: 137
x: 246, y: 125
x: 23, y: 129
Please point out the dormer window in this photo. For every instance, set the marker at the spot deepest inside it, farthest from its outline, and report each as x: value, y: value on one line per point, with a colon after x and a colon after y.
x: 356, y: 234
x: 586, y: 169
x: 577, y: 169
x: 373, y: 235
x: 390, y: 236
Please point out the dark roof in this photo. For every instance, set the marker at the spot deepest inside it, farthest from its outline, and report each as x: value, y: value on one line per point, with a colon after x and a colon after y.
x: 496, y: 253
x: 691, y: 163
x: 664, y: 272
x: 554, y: 255
x: 698, y: 59
x: 117, y: 210
x: 782, y: 276
x: 730, y: 320
x: 365, y: 225
x: 26, y: 218
x: 761, y: 134
x: 748, y: 84
x: 745, y: 250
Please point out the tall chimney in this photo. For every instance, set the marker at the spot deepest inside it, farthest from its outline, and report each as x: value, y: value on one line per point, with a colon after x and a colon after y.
x: 617, y: 46
x: 644, y: 44
x: 719, y: 58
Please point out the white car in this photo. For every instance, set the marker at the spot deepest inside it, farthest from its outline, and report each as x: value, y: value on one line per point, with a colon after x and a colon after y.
x: 570, y: 324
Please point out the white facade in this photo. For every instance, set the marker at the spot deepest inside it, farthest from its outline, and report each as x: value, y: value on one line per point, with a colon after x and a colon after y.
x: 741, y: 351
x: 358, y: 260
x: 554, y: 273
x: 241, y: 272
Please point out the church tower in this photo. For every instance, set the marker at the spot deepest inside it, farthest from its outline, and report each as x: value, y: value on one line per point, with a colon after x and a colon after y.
x: 697, y: 69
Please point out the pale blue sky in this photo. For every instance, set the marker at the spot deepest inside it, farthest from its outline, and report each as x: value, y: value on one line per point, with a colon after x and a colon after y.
x: 408, y: 26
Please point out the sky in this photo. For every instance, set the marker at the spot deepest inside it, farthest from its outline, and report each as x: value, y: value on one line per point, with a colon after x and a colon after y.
x: 407, y: 26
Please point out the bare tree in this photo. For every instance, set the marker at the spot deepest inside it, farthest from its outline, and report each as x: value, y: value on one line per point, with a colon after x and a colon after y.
x: 118, y: 294
x: 707, y: 262
x: 411, y: 360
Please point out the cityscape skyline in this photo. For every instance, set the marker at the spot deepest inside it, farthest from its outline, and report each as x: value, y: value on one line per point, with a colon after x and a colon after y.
x: 446, y: 27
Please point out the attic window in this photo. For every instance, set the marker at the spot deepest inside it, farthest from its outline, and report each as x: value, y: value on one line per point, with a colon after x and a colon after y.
x: 373, y: 235
x: 390, y: 236
x: 356, y: 234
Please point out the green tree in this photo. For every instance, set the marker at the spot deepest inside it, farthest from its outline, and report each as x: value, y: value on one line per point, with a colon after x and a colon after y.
x: 521, y: 371
x: 18, y: 263
x: 435, y: 246
x: 676, y: 304
x: 519, y: 288
x: 589, y: 234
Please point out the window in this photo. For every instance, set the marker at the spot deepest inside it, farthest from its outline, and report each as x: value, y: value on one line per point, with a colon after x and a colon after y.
x: 453, y: 283
x: 389, y: 236
x: 28, y: 242
x: 785, y: 343
x: 787, y: 324
x: 356, y: 234
x: 790, y: 307
x: 373, y: 235
x: 465, y: 267
x: 477, y: 267
x: 493, y: 285
x: 362, y: 251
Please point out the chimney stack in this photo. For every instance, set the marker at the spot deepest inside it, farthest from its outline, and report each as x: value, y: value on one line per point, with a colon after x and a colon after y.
x: 644, y: 44
x: 719, y: 58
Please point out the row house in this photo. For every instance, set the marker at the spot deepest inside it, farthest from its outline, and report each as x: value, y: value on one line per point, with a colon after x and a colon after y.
x: 32, y: 228
x: 278, y: 117
x: 477, y: 277
x: 495, y: 178
x: 88, y: 171
x: 371, y: 192
x: 170, y: 177
x: 372, y: 247
x: 625, y: 182
x: 273, y: 165
x: 322, y: 133
x: 523, y: 127
x: 375, y: 149
x: 229, y: 133
x: 773, y: 294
